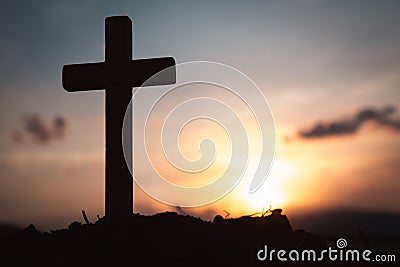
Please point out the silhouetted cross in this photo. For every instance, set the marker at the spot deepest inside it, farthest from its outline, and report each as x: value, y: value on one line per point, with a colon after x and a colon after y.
x: 117, y: 74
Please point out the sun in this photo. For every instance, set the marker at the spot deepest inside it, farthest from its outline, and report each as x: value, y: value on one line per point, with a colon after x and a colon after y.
x: 272, y: 192
x: 270, y: 199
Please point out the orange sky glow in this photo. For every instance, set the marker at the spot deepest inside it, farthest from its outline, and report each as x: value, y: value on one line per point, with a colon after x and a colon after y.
x: 315, y: 62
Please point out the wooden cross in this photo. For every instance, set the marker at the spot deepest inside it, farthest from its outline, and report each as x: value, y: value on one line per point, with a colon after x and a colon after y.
x: 117, y: 75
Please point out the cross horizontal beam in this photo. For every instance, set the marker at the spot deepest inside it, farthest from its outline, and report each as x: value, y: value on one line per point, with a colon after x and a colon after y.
x: 96, y: 76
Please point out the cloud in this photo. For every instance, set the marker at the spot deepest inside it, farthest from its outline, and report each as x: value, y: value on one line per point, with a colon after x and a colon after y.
x: 37, y: 130
x: 346, y: 126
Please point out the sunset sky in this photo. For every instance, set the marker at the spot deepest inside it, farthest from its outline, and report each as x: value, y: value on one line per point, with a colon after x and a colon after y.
x: 330, y: 71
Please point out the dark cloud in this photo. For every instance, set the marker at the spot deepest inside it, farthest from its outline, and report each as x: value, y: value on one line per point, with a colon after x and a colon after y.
x: 42, y: 132
x: 346, y: 126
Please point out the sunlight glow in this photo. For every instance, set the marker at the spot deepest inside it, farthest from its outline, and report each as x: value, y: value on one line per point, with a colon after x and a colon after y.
x: 272, y: 193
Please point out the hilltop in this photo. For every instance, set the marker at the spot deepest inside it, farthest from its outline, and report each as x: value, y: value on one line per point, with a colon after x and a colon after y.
x: 161, y: 239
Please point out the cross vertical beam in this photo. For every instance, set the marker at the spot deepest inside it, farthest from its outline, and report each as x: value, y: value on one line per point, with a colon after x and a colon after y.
x: 118, y: 184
